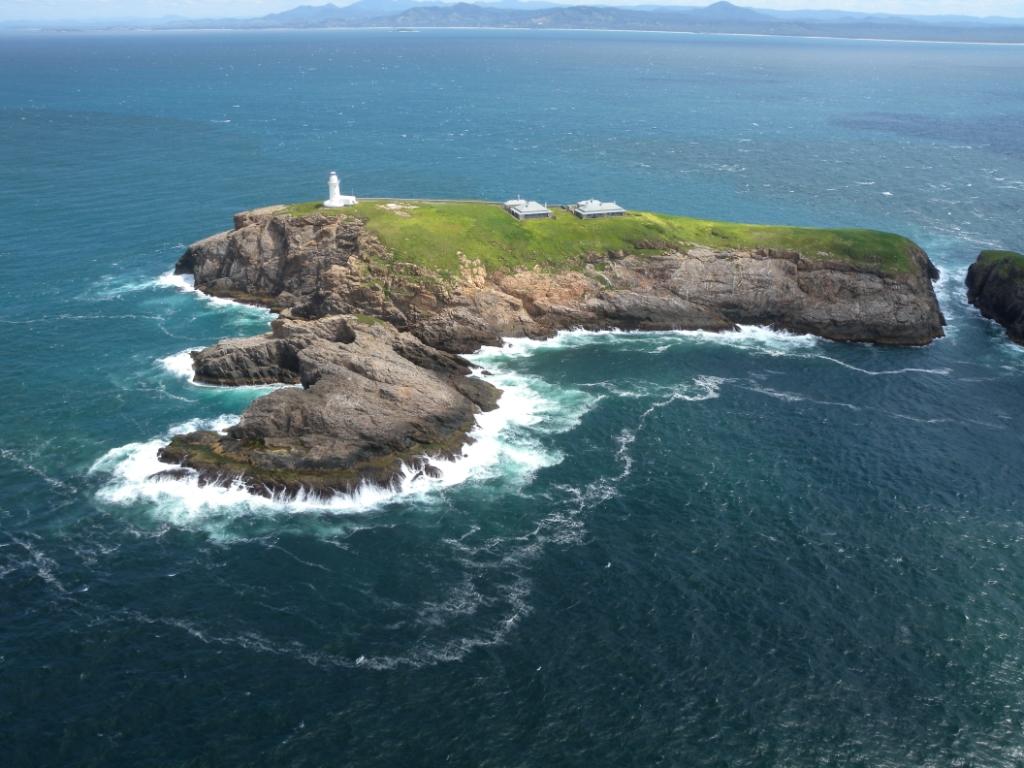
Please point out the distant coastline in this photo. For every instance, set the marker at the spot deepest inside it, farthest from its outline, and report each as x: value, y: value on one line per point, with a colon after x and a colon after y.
x: 177, y: 30
x: 720, y: 18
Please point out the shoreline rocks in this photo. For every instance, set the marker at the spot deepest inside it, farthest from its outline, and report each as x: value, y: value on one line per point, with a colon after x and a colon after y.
x: 372, y: 401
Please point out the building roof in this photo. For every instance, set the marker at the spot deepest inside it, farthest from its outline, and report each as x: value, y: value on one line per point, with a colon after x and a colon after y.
x: 597, y: 206
x: 526, y: 206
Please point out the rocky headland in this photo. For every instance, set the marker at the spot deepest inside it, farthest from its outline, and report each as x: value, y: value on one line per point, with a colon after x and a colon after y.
x: 371, y: 399
x: 377, y: 303
x: 995, y: 285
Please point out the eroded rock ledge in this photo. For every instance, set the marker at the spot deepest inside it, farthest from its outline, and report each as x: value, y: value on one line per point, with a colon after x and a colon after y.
x: 374, y: 340
x: 371, y: 399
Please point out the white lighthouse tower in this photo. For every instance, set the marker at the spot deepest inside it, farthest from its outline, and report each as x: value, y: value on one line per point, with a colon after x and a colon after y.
x: 334, y: 197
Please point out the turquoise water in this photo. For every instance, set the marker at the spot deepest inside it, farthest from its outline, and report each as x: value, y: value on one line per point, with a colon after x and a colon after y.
x: 664, y: 549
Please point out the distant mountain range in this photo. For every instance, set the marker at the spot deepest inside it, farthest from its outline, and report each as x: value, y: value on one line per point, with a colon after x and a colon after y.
x: 719, y: 17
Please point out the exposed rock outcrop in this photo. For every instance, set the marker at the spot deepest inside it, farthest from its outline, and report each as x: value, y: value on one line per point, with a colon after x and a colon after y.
x: 371, y: 399
x: 374, y: 341
x: 995, y: 285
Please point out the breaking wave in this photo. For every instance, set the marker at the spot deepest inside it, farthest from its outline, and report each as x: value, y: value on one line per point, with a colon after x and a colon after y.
x: 179, y: 364
x: 754, y: 338
x: 186, y: 284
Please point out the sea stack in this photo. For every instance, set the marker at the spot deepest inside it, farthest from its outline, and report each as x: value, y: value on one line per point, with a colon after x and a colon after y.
x: 995, y: 285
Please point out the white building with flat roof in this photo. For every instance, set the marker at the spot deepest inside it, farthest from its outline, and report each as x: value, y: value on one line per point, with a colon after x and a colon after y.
x: 594, y: 209
x: 527, y: 209
x: 334, y: 197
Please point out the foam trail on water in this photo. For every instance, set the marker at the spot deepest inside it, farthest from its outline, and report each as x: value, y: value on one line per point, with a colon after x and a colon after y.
x: 892, y: 372
x: 700, y: 389
x: 25, y: 465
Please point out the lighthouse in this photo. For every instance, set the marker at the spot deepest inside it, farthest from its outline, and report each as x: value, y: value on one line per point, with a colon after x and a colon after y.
x: 334, y: 197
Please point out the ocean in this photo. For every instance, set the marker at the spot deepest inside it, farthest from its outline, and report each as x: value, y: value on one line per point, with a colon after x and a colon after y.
x: 677, y: 549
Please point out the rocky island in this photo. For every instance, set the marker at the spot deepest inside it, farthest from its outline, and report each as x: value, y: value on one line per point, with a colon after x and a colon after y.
x: 377, y: 301
x: 995, y: 285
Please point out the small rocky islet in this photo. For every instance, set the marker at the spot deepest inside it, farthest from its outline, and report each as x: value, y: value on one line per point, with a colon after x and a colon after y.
x: 995, y: 285
x: 378, y: 301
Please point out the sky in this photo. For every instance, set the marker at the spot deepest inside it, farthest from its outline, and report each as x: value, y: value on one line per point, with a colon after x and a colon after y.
x: 136, y: 9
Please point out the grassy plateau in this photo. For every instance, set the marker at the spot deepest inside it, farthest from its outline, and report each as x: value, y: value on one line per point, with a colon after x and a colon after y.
x: 432, y: 233
x: 1005, y: 263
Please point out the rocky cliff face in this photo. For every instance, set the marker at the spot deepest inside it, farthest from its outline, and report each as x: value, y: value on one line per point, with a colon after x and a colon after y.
x: 321, y: 265
x: 373, y: 341
x: 995, y: 285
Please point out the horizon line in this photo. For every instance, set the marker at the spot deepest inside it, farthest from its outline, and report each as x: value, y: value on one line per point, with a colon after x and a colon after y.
x: 170, y: 17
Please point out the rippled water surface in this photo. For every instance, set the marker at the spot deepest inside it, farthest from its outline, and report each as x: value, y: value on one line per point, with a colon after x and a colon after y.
x: 663, y: 549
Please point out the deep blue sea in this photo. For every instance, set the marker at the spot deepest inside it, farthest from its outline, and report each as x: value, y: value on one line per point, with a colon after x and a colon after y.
x: 747, y: 549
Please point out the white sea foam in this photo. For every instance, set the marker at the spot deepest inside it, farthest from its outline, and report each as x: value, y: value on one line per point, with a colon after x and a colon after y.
x: 950, y: 283
x: 506, y: 446
x: 757, y: 338
x: 186, y: 284
x: 949, y: 289
x: 754, y: 337
x: 182, y: 283
x: 179, y: 364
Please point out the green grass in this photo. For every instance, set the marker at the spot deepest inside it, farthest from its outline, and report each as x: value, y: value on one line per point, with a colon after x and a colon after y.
x: 431, y: 233
x: 1005, y: 262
